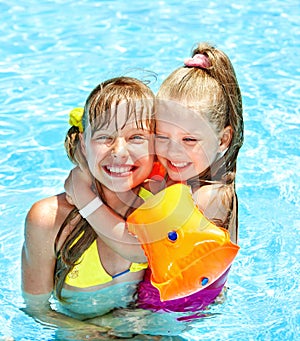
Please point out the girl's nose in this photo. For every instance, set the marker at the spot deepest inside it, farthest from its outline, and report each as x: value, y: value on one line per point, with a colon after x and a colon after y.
x: 119, y: 149
x: 174, y: 148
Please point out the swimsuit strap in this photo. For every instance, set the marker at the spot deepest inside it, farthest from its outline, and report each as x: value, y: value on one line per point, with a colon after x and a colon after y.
x: 134, y: 267
x: 73, y: 212
x: 144, y: 194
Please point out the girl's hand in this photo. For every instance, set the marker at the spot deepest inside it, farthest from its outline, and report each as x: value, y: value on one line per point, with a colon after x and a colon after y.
x: 69, y: 199
x: 75, y: 180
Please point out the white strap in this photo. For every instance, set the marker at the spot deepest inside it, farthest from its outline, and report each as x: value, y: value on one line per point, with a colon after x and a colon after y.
x: 91, y: 207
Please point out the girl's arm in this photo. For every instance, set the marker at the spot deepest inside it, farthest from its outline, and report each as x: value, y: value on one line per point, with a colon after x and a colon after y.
x: 110, y: 227
x: 38, y: 266
x: 38, y: 307
x: 38, y: 257
x: 215, y: 202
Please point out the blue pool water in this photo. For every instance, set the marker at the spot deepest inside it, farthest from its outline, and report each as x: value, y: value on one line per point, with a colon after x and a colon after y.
x: 52, y: 53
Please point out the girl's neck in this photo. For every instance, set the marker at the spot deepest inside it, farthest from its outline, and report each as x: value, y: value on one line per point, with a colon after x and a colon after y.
x: 121, y: 202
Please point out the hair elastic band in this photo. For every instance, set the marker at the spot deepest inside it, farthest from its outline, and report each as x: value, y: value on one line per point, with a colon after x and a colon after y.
x: 198, y: 60
x: 91, y: 207
x: 75, y: 118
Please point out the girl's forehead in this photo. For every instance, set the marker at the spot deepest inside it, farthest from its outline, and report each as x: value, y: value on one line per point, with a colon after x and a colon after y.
x: 124, y: 114
x: 130, y: 127
x: 176, y: 114
x: 124, y: 125
x: 171, y: 107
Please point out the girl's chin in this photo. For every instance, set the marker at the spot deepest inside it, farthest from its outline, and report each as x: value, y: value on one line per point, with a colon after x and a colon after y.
x: 117, y: 188
x: 178, y: 179
x: 177, y: 173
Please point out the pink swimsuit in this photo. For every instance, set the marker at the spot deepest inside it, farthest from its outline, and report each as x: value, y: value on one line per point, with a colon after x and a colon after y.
x: 148, y: 296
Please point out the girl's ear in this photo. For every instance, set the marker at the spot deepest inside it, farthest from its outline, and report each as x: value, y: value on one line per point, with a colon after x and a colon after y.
x: 226, y: 138
x: 82, y: 144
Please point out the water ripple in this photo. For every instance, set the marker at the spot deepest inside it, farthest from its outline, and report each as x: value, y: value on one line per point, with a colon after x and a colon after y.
x: 54, y: 53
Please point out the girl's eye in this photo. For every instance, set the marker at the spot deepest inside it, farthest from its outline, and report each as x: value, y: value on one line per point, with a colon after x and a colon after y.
x: 137, y: 138
x: 161, y: 138
x: 105, y: 139
x: 191, y: 141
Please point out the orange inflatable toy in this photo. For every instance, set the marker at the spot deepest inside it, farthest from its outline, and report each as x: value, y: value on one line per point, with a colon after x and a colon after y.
x: 158, y: 171
x: 185, y: 251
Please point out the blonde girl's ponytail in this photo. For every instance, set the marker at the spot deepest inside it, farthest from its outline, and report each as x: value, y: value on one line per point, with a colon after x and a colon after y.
x: 222, y: 71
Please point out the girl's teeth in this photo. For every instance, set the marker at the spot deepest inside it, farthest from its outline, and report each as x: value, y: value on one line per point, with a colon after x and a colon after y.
x: 179, y: 164
x: 119, y: 169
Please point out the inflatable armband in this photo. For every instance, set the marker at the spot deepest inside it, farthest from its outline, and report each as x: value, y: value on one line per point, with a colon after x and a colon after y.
x: 185, y: 251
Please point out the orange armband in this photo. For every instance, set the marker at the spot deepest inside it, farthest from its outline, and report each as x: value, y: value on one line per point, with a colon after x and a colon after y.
x: 185, y: 251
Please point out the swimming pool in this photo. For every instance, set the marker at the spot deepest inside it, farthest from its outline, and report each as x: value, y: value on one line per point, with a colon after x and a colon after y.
x: 54, y: 52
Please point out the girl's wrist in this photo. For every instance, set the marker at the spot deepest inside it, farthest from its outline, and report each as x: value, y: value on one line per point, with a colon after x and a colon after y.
x: 84, y: 197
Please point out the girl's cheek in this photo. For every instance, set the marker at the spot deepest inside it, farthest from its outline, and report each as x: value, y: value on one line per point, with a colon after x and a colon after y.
x: 142, y: 151
x: 160, y: 149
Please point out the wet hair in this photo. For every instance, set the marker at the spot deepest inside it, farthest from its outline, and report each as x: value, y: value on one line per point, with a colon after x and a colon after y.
x: 101, y: 108
x: 212, y: 90
x: 217, y: 87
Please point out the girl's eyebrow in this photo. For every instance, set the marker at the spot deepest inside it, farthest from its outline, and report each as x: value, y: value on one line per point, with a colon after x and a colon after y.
x: 130, y: 130
x: 104, y: 131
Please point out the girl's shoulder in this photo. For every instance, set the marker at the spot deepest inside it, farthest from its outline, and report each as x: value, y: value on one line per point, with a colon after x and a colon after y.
x: 213, y: 200
x: 48, y: 213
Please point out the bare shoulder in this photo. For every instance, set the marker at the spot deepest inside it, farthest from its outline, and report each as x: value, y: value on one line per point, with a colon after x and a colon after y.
x: 42, y: 224
x: 48, y: 214
x: 210, y: 200
x: 206, y: 194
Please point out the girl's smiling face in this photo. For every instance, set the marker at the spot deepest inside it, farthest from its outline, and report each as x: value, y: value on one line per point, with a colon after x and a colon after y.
x: 186, y: 143
x: 120, y: 155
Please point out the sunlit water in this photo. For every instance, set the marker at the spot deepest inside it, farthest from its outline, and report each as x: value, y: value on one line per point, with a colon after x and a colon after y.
x: 52, y: 53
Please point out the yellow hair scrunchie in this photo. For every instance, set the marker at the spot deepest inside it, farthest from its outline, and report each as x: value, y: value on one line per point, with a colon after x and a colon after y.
x: 75, y: 118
